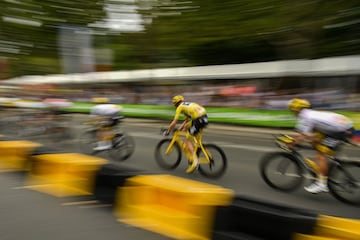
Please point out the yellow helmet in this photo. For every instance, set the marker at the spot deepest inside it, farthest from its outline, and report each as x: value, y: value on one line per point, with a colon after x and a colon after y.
x: 296, y: 104
x: 100, y: 100
x: 177, y: 99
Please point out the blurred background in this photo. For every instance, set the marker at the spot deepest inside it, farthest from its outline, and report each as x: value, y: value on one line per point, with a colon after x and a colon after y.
x: 238, y: 53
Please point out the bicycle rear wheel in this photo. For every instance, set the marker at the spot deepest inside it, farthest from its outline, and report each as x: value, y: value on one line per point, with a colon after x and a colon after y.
x: 281, y: 171
x: 172, y: 159
x: 218, y: 161
x: 123, y: 147
x: 344, y: 182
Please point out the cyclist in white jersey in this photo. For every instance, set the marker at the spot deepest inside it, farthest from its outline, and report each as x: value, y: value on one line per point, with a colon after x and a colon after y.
x: 107, y: 116
x: 325, y: 131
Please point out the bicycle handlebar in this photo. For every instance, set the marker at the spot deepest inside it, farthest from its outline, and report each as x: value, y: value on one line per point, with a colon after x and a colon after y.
x: 164, y: 130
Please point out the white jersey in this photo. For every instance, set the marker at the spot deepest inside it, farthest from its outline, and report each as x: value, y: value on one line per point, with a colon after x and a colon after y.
x: 322, y: 121
x: 110, y: 110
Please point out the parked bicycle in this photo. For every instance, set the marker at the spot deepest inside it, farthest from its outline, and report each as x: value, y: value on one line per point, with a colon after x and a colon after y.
x: 286, y: 170
x: 212, y: 159
x: 123, y: 145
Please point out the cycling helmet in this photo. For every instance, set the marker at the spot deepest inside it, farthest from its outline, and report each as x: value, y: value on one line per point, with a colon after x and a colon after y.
x: 100, y: 100
x: 177, y: 99
x: 296, y: 104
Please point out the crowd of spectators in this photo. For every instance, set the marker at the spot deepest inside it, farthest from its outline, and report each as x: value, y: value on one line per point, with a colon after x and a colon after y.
x: 225, y: 95
x: 214, y: 94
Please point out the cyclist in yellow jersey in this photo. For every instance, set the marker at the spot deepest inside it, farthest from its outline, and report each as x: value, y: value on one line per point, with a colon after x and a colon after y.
x: 196, y: 119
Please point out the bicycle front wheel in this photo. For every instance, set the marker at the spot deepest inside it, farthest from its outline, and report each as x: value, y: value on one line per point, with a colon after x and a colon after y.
x: 168, y: 160
x: 281, y: 171
x: 123, y: 147
x: 344, y: 182
x: 217, y: 164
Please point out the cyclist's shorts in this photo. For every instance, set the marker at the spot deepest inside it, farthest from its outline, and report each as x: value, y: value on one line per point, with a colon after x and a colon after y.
x: 198, y: 124
x: 329, y: 143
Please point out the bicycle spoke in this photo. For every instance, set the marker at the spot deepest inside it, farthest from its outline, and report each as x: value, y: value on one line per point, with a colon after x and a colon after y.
x: 280, y: 171
x: 123, y: 147
x: 213, y: 162
x: 167, y: 155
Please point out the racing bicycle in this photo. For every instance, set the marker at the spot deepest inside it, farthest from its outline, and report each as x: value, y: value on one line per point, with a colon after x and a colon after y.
x: 286, y: 170
x: 123, y: 144
x: 212, y: 159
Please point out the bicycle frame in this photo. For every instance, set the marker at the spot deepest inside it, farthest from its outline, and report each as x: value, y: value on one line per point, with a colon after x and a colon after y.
x: 303, y: 162
x: 197, y: 140
x: 332, y: 161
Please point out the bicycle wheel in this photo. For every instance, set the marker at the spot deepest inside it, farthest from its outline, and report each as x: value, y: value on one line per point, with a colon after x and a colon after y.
x: 170, y: 160
x: 123, y: 147
x: 344, y: 182
x: 218, y: 162
x: 281, y: 171
x: 88, y: 141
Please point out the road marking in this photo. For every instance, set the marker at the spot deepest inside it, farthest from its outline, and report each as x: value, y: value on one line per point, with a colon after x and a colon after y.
x: 21, y: 187
x: 247, y: 147
x: 97, y: 206
x: 80, y: 203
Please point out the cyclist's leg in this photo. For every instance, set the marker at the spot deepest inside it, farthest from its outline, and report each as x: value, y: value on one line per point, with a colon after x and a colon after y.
x: 105, y: 136
x: 189, y: 143
x: 325, y: 148
x: 196, y: 126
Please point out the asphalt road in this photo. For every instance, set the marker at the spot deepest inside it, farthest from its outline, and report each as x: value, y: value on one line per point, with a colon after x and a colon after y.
x: 34, y: 215
x: 27, y: 214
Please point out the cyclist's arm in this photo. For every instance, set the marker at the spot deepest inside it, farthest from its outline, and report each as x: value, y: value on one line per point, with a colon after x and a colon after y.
x: 183, y: 126
x: 174, y: 121
x: 304, y: 131
x: 171, y: 126
x: 300, y: 138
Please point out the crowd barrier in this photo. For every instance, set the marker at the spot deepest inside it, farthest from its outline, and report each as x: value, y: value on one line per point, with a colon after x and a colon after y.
x: 14, y: 154
x: 172, y: 206
x: 64, y: 174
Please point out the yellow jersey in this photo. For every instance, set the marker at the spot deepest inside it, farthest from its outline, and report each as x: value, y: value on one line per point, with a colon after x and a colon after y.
x: 190, y: 110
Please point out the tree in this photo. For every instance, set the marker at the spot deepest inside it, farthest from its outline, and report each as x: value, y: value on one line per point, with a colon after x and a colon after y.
x: 28, y: 31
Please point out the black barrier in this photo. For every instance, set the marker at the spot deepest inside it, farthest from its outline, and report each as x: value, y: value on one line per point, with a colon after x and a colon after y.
x: 255, y: 219
x: 109, y: 178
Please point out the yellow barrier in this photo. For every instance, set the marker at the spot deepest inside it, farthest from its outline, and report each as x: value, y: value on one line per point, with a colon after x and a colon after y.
x: 312, y: 237
x: 64, y: 174
x: 14, y: 154
x: 341, y: 228
x: 176, y: 207
x: 333, y: 228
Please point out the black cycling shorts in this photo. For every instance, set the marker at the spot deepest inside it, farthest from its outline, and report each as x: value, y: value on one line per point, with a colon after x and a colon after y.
x: 330, y: 142
x: 198, y: 124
